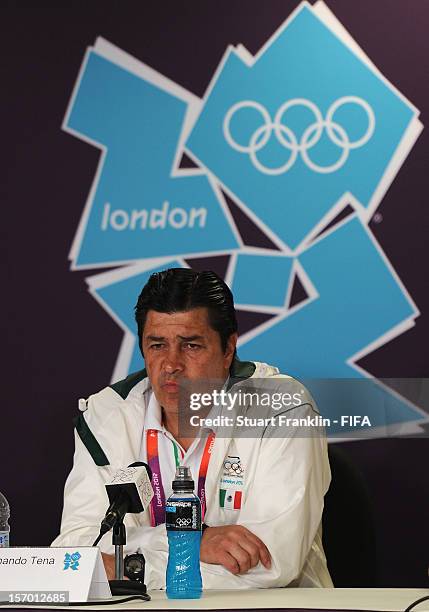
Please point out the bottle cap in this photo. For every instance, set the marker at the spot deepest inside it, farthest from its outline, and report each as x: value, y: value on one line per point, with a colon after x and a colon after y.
x: 183, y: 479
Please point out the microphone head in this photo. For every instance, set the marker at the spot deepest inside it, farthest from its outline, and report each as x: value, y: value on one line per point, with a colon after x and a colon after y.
x: 134, y: 482
x: 142, y: 464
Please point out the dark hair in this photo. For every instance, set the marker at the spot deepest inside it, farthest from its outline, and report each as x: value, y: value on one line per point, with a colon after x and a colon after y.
x: 182, y: 289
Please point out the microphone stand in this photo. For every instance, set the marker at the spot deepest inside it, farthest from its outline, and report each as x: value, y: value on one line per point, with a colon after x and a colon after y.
x: 119, y: 586
x: 119, y: 539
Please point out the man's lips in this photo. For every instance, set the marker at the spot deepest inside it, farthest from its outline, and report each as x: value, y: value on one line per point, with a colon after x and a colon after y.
x: 171, y: 385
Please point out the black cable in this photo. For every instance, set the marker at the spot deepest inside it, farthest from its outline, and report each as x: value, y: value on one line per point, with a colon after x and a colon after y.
x: 100, y: 535
x: 415, y: 603
x: 101, y: 602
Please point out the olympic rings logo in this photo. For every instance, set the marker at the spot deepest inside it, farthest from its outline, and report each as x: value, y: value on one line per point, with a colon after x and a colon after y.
x: 183, y: 522
x: 310, y: 137
x: 233, y: 468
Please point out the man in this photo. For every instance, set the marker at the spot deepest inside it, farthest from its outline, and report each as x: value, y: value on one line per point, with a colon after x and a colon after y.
x: 263, y: 519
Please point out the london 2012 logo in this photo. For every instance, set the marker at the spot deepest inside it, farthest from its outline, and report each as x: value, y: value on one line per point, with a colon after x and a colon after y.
x: 294, y: 136
x: 71, y: 561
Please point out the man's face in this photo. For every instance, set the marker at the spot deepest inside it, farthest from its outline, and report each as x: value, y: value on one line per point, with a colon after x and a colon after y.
x: 182, y: 345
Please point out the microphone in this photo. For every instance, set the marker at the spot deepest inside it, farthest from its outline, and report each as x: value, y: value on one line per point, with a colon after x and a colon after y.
x: 129, y: 491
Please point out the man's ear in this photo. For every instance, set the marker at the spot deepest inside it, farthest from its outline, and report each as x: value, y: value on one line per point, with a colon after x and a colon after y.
x: 230, y: 349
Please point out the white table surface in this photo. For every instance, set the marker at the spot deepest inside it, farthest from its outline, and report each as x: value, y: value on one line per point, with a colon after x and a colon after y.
x: 395, y: 600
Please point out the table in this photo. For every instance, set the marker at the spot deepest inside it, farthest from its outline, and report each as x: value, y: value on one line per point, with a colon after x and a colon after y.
x: 391, y: 600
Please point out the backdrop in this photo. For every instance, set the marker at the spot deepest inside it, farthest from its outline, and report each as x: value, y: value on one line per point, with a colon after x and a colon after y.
x: 279, y: 142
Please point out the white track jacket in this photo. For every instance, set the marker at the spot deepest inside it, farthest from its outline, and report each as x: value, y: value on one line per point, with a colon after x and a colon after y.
x: 285, y: 480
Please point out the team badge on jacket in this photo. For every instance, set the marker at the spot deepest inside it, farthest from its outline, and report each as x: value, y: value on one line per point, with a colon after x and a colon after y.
x: 230, y: 499
x: 232, y: 466
x: 231, y: 484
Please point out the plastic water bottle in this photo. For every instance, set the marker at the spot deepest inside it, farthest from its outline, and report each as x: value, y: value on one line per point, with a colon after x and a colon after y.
x: 4, y: 522
x: 183, y: 522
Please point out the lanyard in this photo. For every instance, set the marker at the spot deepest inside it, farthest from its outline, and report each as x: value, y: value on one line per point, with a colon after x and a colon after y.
x: 158, y: 501
x: 176, y: 454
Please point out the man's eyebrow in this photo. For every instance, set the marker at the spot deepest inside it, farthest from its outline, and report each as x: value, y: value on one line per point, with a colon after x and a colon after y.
x: 185, y: 338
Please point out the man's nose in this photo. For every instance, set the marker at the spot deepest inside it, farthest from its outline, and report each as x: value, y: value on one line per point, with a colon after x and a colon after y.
x: 173, y: 362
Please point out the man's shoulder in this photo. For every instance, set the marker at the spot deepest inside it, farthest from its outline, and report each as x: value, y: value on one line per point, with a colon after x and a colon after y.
x: 262, y: 377
x: 256, y: 369
x: 107, y: 414
x: 260, y: 369
x: 127, y: 385
x: 241, y: 370
x: 116, y: 395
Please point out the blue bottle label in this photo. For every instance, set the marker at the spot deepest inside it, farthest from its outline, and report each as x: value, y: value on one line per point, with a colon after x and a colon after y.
x: 4, y: 539
x: 183, y: 515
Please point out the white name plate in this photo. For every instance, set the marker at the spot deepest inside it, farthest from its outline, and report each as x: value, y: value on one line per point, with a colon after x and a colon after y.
x: 78, y: 572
